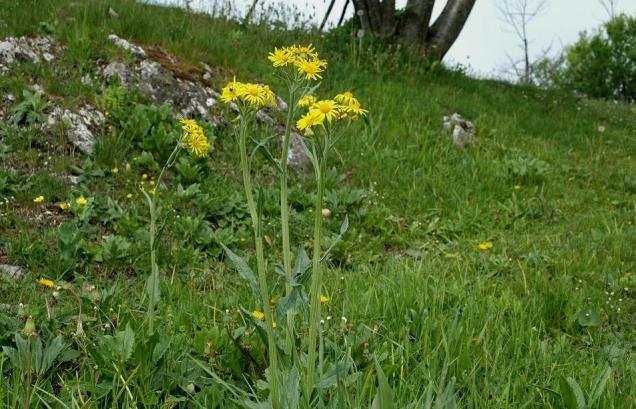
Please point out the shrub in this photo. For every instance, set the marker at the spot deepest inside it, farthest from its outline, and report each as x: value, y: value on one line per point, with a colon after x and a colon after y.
x: 603, y: 65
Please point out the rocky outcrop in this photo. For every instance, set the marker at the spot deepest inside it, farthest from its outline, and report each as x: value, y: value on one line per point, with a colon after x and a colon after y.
x: 462, y: 130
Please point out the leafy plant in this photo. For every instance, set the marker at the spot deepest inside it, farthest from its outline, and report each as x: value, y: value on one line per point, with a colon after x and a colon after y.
x: 30, y: 110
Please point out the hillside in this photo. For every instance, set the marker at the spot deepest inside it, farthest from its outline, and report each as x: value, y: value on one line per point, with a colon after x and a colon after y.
x: 499, y: 275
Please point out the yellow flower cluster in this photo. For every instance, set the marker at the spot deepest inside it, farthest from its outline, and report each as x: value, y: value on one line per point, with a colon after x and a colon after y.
x: 341, y: 106
x: 254, y: 95
x: 45, y: 282
x: 304, y: 58
x: 194, y: 139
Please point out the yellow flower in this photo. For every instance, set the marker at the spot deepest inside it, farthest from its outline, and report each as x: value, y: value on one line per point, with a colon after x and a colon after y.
x: 311, y: 69
x: 326, y: 109
x: 281, y: 57
x: 345, y: 98
x: 81, y: 201
x: 65, y: 206
x: 517, y: 187
x: 270, y: 97
x: 144, y: 176
x: 129, y: 195
x: 304, y: 51
x: 115, y: 170
x: 232, y: 91
x: 193, y: 139
x: 354, y: 108
x: 307, y: 101
x: 259, y: 315
x: 324, y: 299
x: 44, y: 282
x: 486, y: 245
x: 254, y: 94
x: 310, y: 119
x: 152, y: 191
x: 38, y: 199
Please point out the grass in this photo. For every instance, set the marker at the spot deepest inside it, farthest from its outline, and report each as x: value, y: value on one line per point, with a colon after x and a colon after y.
x: 409, y: 287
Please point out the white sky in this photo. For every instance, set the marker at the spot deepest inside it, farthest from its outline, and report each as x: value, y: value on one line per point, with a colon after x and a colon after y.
x: 485, y: 43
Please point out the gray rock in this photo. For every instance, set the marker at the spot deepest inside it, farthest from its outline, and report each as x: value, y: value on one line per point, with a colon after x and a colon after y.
x: 114, y: 70
x: 80, y: 126
x: 296, y: 157
x: 462, y: 130
x: 134, y: 49
x: 12, y: 272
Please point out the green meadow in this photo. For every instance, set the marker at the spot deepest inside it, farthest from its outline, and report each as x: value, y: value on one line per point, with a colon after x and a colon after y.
x: 500, y: 275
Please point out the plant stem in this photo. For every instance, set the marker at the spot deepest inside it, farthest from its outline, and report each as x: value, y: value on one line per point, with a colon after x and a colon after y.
x: 260, y: 261
x: 316, y: 275
x: 153, y: 281
x: 284, y: 215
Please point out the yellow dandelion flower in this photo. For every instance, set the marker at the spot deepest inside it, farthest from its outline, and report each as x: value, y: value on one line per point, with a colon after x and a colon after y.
x: 311, y: 69
x: 129, y: 195
x: 45, y: 282
x: 281, y: 57
x: 324, y: 299
x: 65, y: 205
x: 81, y: 201
x: 39, y: 199
x: 326, y: 109
x: 259, y: 315
x: 232, y: 91
x: 486, y: 245
x: 308, y: 120
x: 307, y: 101
x: 114, y: 171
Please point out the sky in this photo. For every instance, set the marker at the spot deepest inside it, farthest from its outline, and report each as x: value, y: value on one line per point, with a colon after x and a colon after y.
x: 486, y: 45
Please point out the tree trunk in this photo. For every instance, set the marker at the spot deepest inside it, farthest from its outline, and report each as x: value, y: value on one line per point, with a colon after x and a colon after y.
x: 413, y: 27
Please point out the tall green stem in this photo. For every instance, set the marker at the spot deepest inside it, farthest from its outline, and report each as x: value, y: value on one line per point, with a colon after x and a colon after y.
x: 260, y: 260
x: 316, y: 275
x: 153, y: 286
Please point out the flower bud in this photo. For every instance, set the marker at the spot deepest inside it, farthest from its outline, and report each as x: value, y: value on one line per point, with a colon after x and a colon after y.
x: 326, y: 213
x: 29, y: 328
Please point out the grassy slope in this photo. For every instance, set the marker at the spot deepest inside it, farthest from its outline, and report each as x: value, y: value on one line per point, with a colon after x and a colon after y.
x: 505, y: 321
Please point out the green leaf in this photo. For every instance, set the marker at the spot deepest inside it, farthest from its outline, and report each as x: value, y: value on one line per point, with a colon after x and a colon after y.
x: 384, y: 396
x: 50, y: 354
x: 599, y: 385
x: 337, y: 373
x: 294, y: 300
x: 161, y: 347
x: 125, y: 342
x: 571, y: 394
x: 589, y: 318
x: 243, y: 269
x: 343, y: 229
x: 302, y: 263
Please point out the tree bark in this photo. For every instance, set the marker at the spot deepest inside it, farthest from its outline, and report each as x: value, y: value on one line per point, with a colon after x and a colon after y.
x: 414, y: 27
x: 448, y: 25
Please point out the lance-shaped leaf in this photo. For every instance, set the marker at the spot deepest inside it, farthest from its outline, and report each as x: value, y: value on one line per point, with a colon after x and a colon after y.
x: 243, y: 269
x: 343, y: 229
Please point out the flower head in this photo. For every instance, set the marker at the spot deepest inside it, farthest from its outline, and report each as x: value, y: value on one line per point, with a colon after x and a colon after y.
x: 39, y: 199
x: 255, y: 94
x: 307, y: 101
x: 193, y: 139
x: 311, y: 69
x: 486, y: 245
x: 114, y: 170
x: 345, y: 98
x: 324, y: 299
x: 307, y: 121
x: 326, y: 109
x: 65, y: 205
x: 354, y: 108
x: 45, y: 282
x: 259, y: 315
x: 281, y: 57
x: 232, y: 91
x: 81, y: 201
